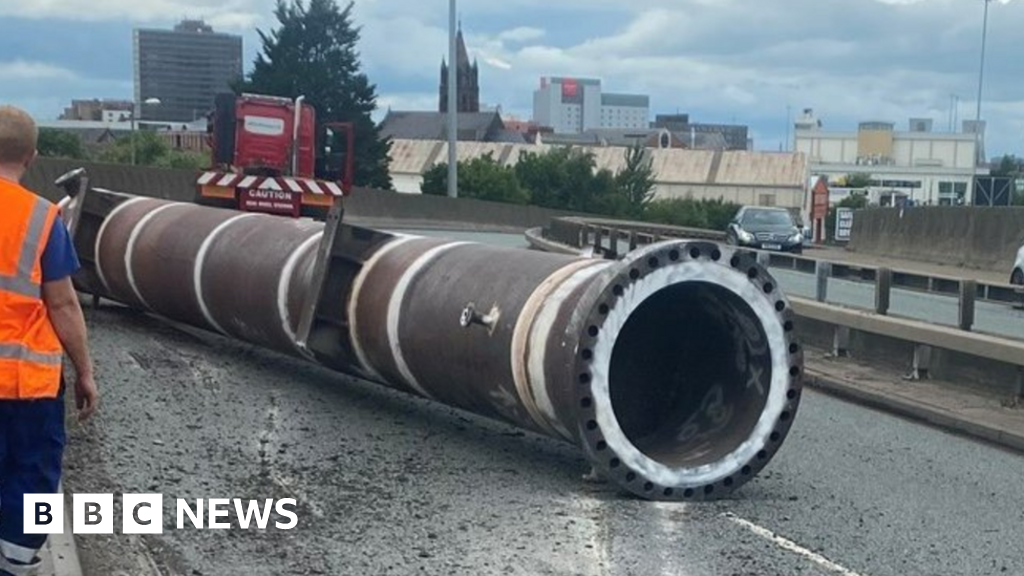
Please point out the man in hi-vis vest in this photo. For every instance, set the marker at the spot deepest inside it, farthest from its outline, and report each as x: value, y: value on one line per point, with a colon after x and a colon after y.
x: 40, y: 319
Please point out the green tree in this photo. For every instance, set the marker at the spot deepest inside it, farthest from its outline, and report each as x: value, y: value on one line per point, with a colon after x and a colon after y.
x: 858, y: 181
x: 482, y: 178
x: 150, y: 149
x: 182, y: 160
x: 636, y: 180
x: 707, y: 214
x: 1009, y: 166
x: 60, y: 144
x: 567, y: 179
x: 312, y: 53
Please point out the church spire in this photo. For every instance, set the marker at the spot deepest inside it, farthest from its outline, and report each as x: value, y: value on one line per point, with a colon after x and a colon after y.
x: 467, y: 74
x: 463, y: 54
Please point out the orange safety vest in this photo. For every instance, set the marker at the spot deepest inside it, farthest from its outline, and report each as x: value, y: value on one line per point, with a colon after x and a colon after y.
x: 31, y: 355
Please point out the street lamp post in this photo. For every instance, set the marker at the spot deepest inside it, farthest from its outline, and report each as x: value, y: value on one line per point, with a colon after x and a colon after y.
x: 979, y: 159
x: 981, y: 69
x: 146, y: 102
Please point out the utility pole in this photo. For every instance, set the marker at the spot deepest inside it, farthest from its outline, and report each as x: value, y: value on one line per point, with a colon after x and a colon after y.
x: 453, y: 114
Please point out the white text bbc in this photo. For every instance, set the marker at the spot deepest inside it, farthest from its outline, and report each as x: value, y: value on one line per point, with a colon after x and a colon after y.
x: 144, y: 513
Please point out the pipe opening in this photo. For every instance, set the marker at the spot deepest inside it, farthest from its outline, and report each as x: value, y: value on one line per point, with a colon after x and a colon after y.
x: 690, y: 373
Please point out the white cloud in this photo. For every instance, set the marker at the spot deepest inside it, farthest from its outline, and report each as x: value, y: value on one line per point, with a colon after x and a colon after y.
x: 497, y: 63
x: 226, y: 13
x: 521, y: 34
x: 21, y: 70
x: 717, y: 59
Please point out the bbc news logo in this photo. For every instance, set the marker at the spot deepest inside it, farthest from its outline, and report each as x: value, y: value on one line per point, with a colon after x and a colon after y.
x: 144, y: 514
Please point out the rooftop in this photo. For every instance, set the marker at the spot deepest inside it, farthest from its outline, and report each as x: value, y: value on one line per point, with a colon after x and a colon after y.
x: 472, y: 126
x: 671, y: 166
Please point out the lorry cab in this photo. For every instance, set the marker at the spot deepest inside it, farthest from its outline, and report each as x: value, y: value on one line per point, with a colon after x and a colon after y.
x: 265, y: 157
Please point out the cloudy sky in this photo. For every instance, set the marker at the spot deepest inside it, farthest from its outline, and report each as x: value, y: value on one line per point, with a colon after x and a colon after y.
x: 741, y: 61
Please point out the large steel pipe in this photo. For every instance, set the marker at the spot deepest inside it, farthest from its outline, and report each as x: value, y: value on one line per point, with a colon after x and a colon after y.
x: 674, y: 369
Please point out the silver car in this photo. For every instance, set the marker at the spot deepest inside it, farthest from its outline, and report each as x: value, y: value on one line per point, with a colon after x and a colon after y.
x: 1017, y: 276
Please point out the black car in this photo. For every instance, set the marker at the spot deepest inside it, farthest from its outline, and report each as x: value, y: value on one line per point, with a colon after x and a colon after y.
x: 765, y: 228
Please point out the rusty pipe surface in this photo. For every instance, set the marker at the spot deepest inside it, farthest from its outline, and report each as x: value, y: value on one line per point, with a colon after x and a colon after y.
x: 674, y: 369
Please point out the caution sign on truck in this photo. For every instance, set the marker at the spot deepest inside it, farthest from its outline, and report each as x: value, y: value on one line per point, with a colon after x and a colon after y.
x: 270, y: 201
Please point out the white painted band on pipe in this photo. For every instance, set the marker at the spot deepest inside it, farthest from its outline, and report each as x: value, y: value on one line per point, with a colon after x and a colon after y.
x: 395, y: 308
x: 129, y: 251
x: 353, y: 303
x: 633, y: 297
x: 284, y: 286
x: 540, y: 332
x: 522, y: 345
x: 200, y: 264
x: 99, y: 240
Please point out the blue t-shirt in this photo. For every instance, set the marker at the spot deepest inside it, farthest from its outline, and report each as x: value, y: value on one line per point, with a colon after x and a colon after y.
x: 59, y: 257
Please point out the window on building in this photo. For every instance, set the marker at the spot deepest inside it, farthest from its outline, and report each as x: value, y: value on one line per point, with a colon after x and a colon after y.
x: 766, y: 200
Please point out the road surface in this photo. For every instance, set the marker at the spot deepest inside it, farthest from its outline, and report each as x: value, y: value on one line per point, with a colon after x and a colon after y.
x: 391, y: 484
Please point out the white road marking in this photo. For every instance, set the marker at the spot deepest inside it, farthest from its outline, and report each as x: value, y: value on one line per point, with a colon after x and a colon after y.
x: 791, y: 546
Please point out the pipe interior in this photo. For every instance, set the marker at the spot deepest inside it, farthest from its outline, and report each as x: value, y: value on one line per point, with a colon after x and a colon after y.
x: 690, y: 372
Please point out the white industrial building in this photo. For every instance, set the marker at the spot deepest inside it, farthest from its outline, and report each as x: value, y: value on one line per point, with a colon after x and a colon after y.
x: 927, y: 167
x: 753, y: 178
x: 572, y: 106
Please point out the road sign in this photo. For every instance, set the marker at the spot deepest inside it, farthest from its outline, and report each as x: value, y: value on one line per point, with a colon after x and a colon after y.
x: 844, y: 224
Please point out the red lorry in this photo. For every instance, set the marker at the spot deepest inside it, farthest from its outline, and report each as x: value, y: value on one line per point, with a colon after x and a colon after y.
x: 270, y: 155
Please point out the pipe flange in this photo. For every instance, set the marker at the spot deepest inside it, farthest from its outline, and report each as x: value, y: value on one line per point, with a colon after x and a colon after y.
x: 624, y: 290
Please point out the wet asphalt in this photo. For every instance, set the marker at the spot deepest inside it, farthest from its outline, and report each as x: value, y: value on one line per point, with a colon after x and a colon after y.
x: 391, y: 484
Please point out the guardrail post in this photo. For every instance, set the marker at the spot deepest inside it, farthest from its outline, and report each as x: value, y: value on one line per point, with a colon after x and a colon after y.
x: 841, y: 342
x: 922, y: 362
x: 598, y: 239
x: 822, y: 271
x: 883, y: 290
x: 968, y: 294
x: 632, y: 240
x: 613, y: 243
x: 1018, y: 389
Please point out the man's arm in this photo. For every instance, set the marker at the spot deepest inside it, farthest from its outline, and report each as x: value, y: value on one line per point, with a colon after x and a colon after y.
x: 59, y: 263
x: 68, y: 321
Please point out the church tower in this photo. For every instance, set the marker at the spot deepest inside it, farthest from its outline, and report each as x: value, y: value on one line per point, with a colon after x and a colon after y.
x: 468, y: 84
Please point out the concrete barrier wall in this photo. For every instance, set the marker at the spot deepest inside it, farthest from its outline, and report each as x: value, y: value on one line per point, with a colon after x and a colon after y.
x: 971, y: 237
x: 378, y: 206
x: 364, y: 206
x: 176, y: 185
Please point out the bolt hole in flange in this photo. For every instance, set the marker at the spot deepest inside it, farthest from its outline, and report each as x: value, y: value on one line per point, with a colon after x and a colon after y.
x: 691, y: 371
